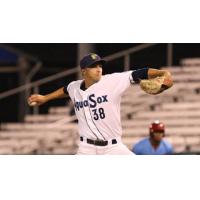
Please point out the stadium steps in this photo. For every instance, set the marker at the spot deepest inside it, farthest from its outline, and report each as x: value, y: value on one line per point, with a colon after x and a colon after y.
x: 54, y: 133
x: 47, y: 118
x: 37, y: 127
x: 180, y: 131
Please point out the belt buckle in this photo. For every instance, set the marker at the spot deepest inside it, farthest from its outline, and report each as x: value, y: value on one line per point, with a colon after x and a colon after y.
x: 100, y: 142
x: 97, y: 141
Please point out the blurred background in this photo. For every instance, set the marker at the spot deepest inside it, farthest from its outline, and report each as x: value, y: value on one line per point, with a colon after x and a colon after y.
x: 52, y: 128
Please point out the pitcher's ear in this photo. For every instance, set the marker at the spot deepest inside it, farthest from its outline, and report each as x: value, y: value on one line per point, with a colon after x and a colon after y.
x: 83, y: 72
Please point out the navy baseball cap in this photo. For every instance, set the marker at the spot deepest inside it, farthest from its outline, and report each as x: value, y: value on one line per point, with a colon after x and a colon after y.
x: 91, y: 59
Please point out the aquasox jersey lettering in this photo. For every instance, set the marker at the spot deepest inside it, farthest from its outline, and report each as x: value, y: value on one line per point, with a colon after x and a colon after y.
x: 91, y: 102
x: 98, y: 107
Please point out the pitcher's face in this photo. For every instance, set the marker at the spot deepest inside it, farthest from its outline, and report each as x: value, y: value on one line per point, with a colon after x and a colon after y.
x: 93, y: 72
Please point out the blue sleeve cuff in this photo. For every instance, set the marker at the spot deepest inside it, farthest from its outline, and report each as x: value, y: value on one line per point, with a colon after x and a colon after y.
x: 140, y: 74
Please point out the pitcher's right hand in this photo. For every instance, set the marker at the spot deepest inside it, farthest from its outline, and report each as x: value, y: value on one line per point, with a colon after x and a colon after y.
x: 36, y: 100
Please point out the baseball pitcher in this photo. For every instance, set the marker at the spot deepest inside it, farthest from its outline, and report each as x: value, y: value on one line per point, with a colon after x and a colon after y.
x: 97, y: 99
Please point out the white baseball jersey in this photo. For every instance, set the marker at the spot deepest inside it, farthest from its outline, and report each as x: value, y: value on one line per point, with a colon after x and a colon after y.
x: 98, y: 107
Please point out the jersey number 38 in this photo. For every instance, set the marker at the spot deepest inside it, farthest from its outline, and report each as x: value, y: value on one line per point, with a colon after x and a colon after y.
x: 98, y: 113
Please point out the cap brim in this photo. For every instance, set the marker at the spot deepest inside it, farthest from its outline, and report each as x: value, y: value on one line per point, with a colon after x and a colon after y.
x: 102, y: 61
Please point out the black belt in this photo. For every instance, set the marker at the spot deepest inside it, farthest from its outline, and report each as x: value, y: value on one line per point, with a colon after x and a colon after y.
x: 98, y: 142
